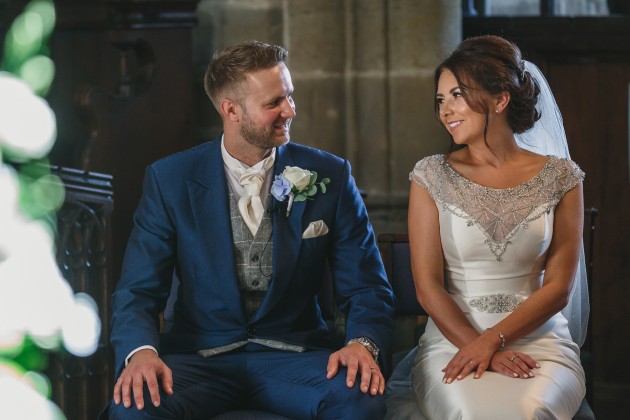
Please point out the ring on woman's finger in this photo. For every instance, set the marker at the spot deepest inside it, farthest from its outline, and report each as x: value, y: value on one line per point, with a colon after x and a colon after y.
x: 472, y: 363
x: 514, y: 357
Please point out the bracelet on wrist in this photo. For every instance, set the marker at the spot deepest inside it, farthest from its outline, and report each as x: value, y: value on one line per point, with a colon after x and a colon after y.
x: 501, y: 336
x: 368, y: 344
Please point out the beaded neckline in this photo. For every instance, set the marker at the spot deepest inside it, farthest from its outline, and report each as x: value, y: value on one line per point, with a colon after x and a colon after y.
x: 498, y: 213
x: 525, y: 184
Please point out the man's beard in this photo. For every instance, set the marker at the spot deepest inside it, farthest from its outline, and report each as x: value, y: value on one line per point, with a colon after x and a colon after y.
x: 262, y: 138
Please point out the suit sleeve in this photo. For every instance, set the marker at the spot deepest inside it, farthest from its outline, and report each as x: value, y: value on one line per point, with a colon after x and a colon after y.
x: 362, y: 290
x: 146, y: 276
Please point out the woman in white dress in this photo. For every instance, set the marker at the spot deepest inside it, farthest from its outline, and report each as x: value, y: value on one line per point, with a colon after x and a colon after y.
x: 495, y: 231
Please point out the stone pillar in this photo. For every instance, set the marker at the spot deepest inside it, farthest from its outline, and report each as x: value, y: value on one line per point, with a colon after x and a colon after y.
x: 315, y: 34
x: 419, y: 34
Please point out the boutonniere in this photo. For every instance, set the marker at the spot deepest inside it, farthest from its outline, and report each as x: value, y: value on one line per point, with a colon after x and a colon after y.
x: 298, y: 184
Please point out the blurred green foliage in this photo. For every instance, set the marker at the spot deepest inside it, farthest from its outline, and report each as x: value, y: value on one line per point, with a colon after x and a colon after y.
x: 25, y: 55
x: 26, y: 46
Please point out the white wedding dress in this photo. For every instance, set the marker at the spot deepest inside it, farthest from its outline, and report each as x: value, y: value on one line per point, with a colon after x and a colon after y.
x: 495, y: 243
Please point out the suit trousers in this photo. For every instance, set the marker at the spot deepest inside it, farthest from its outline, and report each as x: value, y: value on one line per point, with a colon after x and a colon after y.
x: 293, y: 385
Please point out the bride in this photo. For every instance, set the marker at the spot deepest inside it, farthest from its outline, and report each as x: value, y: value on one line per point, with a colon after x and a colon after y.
x: 495, y: 230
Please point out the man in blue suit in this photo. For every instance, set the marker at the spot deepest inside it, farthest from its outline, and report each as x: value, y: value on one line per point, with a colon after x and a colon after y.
x: 247, y: 223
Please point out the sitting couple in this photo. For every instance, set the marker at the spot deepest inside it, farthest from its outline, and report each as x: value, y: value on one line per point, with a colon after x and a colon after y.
x: 249, y: 221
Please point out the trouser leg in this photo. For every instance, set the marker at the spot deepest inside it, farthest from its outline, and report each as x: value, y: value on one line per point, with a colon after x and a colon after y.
x: 202, y: 388
x: 295, y: 386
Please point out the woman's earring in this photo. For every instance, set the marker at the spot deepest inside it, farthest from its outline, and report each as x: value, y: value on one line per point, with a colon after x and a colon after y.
x: 496, y: 110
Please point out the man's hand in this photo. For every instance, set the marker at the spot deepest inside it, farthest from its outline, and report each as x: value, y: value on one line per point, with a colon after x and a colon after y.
x: 144, y: 366
x: 357, y: 359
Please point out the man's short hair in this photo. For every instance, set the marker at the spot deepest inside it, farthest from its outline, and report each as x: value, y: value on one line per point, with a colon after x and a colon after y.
x: 229, y: 66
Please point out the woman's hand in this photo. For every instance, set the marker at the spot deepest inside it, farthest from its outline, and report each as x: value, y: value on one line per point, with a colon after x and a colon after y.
x: 514, y: 364
x: 474, y: 356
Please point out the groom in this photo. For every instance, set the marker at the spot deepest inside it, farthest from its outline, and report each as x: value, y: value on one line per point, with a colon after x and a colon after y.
x: 247, y: 228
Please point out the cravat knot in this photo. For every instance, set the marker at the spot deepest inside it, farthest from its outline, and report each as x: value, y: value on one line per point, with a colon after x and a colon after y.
x: 250, y: 205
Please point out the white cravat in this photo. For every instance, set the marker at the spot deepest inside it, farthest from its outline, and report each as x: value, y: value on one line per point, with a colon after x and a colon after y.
x: 251, y: 179
x: 250, y: 205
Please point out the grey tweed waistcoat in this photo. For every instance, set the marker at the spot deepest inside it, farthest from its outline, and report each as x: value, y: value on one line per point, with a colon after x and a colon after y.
x: 253, y: 256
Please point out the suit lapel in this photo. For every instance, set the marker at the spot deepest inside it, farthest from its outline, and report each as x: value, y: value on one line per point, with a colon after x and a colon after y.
x: 287, y: 240
x: 209, y: 199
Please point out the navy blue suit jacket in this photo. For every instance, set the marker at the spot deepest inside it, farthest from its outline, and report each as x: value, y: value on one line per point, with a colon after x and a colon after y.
x: 182, y: 223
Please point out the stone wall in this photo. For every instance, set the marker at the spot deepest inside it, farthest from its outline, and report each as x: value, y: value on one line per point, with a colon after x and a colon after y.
x: 363, y: 77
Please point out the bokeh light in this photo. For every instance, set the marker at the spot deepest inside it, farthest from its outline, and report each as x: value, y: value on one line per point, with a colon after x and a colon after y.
x: 38, y: 382
x: 24, y: 39
x: 38, y: 72
x: 81, y: 327
x: 46, y: 10
x: 19, y: 400
x: 27, y: 124
x: 10, y: 199
x: 41, y: 194
x: 28, y: 34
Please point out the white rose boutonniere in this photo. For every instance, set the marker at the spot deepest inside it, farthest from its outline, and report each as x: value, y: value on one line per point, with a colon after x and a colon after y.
x: 298, y: 184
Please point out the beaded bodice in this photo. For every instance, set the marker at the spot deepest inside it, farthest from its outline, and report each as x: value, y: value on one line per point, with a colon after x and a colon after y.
x: 498, y: 213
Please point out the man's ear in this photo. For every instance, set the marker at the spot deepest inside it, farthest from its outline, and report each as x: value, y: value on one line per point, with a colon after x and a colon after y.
x: 230, y: 110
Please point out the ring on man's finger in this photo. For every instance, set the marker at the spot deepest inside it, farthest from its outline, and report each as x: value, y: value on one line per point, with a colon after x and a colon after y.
x: 513, y: 357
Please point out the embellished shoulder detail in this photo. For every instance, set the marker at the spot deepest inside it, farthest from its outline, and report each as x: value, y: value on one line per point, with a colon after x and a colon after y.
x: 570, y: 174
x: 498, y: 213
x: 426, y: 171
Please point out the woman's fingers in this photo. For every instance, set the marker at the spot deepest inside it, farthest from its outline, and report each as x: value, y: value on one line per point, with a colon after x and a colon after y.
x: 520, y: 367
x: 514, y: 364
x: 467, y: 370
x: 481, y: 369
x: 458, y: 368
x: 531, y: 363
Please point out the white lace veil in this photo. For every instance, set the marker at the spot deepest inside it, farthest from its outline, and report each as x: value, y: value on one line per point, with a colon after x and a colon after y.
x: 547, y: 137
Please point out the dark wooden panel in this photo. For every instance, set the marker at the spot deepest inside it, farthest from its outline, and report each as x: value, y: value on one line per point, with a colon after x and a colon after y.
x: 123, y: 99
x: 112, y: 14
x: 125, y: 14
x: 81, y: 386
x: 582, y: 38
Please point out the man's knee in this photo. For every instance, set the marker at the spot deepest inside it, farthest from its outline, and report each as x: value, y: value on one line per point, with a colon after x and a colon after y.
x: 120, y: 412
x: 357, y: 405
x: 365, y: 407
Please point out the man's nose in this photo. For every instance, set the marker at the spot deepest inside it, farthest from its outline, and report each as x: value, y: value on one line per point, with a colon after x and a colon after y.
x: 288, y: 108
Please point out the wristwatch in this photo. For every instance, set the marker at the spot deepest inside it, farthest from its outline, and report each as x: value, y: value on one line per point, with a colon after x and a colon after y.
x: 367, y: 343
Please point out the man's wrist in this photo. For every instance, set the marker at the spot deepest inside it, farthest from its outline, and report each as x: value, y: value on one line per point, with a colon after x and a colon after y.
x: 128, y: 358
x: 367, y: 343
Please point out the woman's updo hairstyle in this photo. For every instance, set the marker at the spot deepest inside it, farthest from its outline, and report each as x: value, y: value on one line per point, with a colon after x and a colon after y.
x: 492, y: 64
